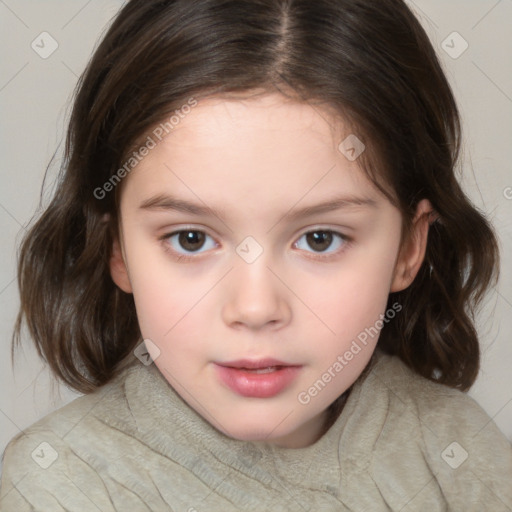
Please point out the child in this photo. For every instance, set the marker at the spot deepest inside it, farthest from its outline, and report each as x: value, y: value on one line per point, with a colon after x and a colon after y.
x: 312, y: 351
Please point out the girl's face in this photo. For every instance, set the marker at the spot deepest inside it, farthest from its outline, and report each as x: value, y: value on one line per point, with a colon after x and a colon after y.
x: 260, y: 259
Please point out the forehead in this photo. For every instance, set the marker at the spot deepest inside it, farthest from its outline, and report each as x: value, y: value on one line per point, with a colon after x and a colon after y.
x: 274, y: 113
x: 255, y: 151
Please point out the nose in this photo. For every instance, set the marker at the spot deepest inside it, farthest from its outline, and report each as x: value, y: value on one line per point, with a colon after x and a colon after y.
x: 256, y: 298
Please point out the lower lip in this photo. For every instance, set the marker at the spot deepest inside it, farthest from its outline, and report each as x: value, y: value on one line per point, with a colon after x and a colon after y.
x: 257, y: 385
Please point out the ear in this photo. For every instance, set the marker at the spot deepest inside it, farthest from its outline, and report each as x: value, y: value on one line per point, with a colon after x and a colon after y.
x: 412, y: 254
x: 118, y: 269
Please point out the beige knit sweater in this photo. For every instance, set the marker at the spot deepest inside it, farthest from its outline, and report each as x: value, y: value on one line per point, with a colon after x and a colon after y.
x: 401, y: 443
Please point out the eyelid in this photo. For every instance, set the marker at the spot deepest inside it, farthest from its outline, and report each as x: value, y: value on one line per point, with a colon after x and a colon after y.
x: 173, y: 230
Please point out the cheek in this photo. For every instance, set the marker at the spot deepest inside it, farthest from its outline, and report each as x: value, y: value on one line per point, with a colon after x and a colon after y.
x: 171, y: 320
x: 172, y: 304
x: 350, y: 302
x: 162, y: 293
x: 353, y: 293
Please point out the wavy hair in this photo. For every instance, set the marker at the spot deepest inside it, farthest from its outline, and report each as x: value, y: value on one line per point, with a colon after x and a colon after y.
x: 370, y: 62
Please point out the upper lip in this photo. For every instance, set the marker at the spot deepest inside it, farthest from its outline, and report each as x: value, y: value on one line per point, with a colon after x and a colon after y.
x: 251, y: 364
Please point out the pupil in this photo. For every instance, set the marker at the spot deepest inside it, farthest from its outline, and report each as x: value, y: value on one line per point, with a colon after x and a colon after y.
x: 189, y: 240
x: 320, y: 240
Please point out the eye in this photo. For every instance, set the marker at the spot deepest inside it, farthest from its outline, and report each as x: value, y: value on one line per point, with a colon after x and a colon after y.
x: 187, y: 241
x: 321, y: 240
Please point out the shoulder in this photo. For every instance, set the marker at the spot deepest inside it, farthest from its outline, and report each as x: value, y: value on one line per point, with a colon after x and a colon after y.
x: 108, y: 402
x: 432, y: 405
x: 431, y: 401
x: 41, y: 465
x: 434, y: 431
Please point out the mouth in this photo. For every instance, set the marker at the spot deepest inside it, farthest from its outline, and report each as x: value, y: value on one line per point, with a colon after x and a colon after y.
x: 261, y: 378
x: 256, y: 364
x: 269, y: 369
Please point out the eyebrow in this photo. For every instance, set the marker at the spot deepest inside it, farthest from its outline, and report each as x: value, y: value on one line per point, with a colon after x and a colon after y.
x: 166, y: 202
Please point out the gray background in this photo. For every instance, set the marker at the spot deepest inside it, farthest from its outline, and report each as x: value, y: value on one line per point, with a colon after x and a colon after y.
x: 35, y: 97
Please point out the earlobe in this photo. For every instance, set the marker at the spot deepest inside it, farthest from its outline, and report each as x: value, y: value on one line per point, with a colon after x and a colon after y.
x: 412, y: 254
x: 118, y: 269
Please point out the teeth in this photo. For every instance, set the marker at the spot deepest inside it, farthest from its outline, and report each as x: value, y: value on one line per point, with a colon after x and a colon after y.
x: 262, y: 370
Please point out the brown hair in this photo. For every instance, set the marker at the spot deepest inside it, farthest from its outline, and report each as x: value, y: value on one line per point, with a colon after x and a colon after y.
x: 370, y: 62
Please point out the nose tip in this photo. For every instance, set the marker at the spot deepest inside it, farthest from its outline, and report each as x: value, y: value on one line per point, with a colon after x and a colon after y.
x: 256, y: 299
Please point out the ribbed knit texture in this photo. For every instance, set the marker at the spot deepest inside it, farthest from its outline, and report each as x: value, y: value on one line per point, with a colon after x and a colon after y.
x: 135, y: 445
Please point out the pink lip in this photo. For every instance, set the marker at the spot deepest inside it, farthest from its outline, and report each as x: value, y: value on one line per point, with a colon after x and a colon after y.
x: 238, y: 377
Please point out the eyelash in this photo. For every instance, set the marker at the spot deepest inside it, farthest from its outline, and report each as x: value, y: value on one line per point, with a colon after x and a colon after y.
x: 318, y: 256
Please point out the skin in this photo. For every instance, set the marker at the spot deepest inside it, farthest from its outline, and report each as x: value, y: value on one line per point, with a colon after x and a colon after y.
x: 257, y: 160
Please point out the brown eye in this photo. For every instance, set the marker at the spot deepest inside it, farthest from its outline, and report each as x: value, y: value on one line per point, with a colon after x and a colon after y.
x: 323, y: 241
x: 319, y: 240
x: 191, y: 240
x: 188, y: 242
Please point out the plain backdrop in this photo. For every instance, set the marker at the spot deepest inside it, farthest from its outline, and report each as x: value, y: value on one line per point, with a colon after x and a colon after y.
x: 35, y: 94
